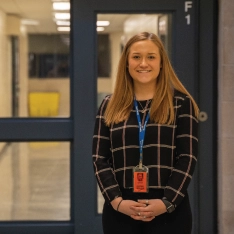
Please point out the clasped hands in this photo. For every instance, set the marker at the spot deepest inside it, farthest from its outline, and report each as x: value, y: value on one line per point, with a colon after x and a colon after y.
x: 145, y: 210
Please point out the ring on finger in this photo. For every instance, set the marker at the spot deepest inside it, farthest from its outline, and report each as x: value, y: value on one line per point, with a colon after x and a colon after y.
x: 147, y: 202
x: 144, y: 217
x: 139, y: 214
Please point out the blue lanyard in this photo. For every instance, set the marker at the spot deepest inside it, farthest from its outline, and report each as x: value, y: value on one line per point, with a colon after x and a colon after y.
x: 142, y: 129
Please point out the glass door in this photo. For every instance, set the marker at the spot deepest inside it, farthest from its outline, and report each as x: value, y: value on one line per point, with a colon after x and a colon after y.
x: 113, y: 31
x: 96, y: 51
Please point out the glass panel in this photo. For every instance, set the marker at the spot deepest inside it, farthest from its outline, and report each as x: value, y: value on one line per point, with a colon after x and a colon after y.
x: 35, y: 181
x: 118, y: 30
x: 34, y: 59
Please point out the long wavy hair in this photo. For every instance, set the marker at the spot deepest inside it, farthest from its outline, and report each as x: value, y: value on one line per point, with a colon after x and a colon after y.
x: 162, y: 109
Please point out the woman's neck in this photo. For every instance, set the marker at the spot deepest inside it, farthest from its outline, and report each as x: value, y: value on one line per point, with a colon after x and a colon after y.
x: 144, y: 92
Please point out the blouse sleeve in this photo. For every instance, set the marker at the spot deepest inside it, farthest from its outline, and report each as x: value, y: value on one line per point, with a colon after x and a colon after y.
x: 186, y: 152
x: 101, y: 152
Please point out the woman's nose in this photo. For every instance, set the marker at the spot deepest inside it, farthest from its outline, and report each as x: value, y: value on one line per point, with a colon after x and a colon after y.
x: 143, y: 62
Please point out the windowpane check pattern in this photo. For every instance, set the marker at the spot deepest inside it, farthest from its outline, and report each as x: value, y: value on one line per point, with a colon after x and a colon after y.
x: 170, y: 151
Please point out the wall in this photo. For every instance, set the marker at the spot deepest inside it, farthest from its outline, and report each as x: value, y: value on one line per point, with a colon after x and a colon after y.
x: 10, y: 26
x: 23, y: 72
x: 225, y: 117
x: 106, y: 85
x: 140, y: 23
x: 5, y: 71
x: 49, y: 43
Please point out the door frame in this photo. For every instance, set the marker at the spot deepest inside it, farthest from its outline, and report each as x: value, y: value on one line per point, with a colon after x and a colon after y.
x: 202, y: 44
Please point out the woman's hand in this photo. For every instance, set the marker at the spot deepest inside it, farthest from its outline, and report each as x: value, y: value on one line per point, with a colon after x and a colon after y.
x: 152, y: 208
x: 125, y: 206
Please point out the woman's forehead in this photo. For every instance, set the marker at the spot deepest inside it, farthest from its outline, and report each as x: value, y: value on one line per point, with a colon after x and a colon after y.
x: 144, y: 46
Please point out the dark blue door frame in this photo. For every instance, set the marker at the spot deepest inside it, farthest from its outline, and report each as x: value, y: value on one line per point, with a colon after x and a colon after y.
x: 193, y: 61
x: 194, y: 58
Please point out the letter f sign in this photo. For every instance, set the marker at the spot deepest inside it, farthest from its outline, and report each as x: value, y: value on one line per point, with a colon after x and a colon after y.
x: 187, y: 5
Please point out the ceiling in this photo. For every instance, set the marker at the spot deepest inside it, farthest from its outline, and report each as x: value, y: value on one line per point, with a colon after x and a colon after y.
x: 41, y: 11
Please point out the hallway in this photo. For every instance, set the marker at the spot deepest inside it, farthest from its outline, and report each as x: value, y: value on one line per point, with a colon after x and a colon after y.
x: 34, y: 181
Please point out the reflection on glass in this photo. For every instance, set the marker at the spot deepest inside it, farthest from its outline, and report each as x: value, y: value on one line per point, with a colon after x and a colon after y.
x: 34, y: 181
x: 48, y: 56
x: 35, y: 59
x: 119, y: 29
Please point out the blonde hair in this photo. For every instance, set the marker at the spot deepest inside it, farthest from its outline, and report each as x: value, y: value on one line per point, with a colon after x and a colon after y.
x: 162, y: 109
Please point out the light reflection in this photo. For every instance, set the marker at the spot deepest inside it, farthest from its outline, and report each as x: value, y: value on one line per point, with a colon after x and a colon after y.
x: 61, y: 6
x: 63, y: 29
x: 62, y: 16
x: 34, y: 181
x: 100, y: 29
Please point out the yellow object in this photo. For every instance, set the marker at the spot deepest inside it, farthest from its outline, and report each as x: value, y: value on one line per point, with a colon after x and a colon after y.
x: 43, y: 104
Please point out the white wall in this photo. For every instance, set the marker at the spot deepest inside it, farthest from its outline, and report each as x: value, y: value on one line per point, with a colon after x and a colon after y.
x: 140, y: 23
x: 23, y: 72
x: 8, y: 28
x: 5, y: 71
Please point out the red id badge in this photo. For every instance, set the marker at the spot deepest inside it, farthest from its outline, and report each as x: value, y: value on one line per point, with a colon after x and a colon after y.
x: 140, y: 179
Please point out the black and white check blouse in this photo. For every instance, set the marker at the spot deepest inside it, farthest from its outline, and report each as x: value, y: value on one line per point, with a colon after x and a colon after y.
x: 170, y: 151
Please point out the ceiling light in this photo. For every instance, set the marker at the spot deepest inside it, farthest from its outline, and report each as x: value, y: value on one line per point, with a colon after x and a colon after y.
x: 60, y: 0
x: 62, y: 6
x: 63, y: 29
x: 62, y: 22
x: 62, y: 16
x: 100, y: 29
x: 103, y: 23
x: 29, y: 22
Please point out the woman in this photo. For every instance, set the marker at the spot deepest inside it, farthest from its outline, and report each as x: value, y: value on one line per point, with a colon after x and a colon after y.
x: 147, y: 128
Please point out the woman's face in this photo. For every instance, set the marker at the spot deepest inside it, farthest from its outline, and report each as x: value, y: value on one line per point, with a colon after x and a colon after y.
x: 144, y: 62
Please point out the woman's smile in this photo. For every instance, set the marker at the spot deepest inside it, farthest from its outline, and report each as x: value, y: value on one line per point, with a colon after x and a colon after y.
x: 144, y: 62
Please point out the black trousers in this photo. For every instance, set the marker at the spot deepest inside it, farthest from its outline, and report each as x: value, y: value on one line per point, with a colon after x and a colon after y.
x: 177, y: 222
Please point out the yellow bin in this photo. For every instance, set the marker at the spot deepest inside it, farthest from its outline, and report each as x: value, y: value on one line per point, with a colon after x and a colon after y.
x: 43, y: 104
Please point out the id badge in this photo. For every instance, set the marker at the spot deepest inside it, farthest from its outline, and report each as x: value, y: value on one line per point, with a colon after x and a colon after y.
x: 140, y: 179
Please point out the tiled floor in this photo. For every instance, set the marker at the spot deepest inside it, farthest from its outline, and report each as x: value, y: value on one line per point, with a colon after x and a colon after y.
x: 35, y: 182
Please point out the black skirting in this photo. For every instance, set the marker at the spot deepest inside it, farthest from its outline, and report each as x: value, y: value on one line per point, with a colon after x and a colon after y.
x: 179, y: 221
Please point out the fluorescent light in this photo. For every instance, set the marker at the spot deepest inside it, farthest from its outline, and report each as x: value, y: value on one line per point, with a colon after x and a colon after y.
x: 63, y: 29
x: 100, y: 29
x: 62, y: 22
x: 103, y: 23
x: 62, y: 6
x: 62, y: 16
x: 60, y: 0
x: 29, y: 22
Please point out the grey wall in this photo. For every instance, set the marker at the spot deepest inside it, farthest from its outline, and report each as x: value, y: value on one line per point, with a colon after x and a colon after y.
x: 226, y: 117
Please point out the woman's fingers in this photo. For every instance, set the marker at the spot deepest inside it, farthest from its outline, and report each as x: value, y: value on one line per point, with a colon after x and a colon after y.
x: 142, y: 217
x: 144, y: 201
x: 139, y: 204
x: 141, y: 208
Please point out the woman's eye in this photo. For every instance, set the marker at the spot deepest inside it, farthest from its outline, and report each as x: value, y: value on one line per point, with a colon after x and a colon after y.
x: 136, y: 57
x: 151, y: 57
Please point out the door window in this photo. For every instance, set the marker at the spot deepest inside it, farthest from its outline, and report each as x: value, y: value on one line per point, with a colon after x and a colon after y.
x: 117, y: 29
